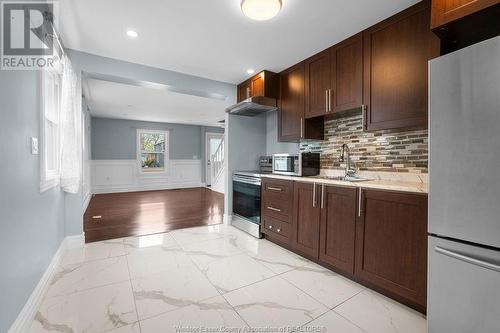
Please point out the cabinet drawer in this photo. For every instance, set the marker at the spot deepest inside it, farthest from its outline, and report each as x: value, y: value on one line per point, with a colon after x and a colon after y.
x: 276, y: 187
x: 277, y: 229
x: 277, y: 208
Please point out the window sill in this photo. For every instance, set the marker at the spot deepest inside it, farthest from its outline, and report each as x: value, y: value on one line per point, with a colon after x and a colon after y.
x: 48, y: 184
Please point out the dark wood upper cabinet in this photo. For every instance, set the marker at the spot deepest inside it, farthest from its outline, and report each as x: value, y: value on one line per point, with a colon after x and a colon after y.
x: 292, y: 125
x: 338, y: 223
x: 306, y: 219
x: 334, y: 78
x: 318, y: 84
x: 396, y: 53
x: 347, y: 74
x: 291, y: 113
x: 391, y: 244
x: 265, y: 83
x: 446, y: 11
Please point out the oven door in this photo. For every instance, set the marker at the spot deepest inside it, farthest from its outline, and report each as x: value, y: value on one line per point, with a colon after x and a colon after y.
x: 285, y: 164
x: 246, y: 198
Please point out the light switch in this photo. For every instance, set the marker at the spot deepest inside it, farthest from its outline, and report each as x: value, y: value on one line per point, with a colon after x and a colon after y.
x: 34, y: 146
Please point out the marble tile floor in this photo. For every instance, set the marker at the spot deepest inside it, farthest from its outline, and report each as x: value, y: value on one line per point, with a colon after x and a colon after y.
x: 213, y: 279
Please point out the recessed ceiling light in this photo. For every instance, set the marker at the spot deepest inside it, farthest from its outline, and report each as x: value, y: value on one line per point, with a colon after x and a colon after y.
x: 132, y: 33
x: 250, y: 71
x: 261, y: 10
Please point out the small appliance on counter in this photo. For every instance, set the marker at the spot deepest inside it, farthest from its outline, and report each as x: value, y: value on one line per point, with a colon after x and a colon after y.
x: 266, y: 164
x: 301, y: 164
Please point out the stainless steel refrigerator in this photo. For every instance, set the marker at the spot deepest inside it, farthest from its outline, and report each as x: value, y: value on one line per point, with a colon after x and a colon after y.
x: 464, y: 198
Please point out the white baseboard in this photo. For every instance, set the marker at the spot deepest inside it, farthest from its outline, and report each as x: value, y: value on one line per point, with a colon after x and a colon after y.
x: 227, y: 219
x: 25, y: 318
x: 139, y: 188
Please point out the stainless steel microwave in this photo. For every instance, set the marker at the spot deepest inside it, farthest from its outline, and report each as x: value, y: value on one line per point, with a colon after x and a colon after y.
x: 301, y: 164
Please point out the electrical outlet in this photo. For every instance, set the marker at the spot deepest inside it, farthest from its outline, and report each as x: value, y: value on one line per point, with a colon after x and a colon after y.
x: 34, y: 146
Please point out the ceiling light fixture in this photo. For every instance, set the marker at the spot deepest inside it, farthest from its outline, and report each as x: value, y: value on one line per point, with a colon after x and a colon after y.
x: 261, y: 10
x: 250, y: 71
x: 132, y: 33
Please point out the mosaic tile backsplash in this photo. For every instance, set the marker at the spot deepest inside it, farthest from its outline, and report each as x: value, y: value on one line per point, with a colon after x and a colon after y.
x: 404, y: 151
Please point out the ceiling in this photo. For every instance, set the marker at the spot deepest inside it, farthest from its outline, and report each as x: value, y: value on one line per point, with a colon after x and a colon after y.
x: 124, y: 101
x: 212, y: 38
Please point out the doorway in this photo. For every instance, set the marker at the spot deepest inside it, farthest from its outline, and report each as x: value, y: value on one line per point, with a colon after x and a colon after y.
x: 213, y: 145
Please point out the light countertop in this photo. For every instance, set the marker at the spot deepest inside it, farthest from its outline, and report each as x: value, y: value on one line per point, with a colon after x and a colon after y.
x: 381, y: 184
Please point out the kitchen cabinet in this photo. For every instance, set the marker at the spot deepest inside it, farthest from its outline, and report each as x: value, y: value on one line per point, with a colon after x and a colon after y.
x: 446, y: 11
x: 292, y: 125
x: 334, y: 78
x: 347, y: 74
x: 338, y: 223
x: 396, y: 52
x: 265, y: 83
x: 277, y: 208
x: 318, y: 84
x: 391, y: 244
x: 306, y: 219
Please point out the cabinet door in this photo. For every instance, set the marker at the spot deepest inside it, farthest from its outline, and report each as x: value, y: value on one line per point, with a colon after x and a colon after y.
x: 347, y: 74
x: 318, y: 81
x: 338, y: 222
x: 257, y: 85
x: 445, y: 11
x: 396, y: 53
x: 306, y: 219
x: 291, y: 113
x: 391, y: 243
x: 244, y: 91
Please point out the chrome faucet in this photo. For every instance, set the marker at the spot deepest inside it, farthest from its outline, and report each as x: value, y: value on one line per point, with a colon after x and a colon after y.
x: 345, y: 156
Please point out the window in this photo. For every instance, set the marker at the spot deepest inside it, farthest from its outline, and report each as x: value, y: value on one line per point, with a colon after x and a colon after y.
x: 152, y: 150
x: 50, y: 89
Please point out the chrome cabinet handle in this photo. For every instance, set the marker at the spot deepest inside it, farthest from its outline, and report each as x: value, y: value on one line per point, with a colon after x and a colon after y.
x: 270, y: 227
x: 363, y: 116
x: 322, y: 196
x: 329, y: 100
x: 468, y: 259
x: 301, y: 127
x: 278, y: 230
x: 359, y: 202
x: 326, y: 100
x: 273, y: 209
x: 274, y: 189
x: 314, y: 194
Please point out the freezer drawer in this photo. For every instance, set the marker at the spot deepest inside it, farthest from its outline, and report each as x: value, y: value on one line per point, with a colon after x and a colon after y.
x: 464, y: 288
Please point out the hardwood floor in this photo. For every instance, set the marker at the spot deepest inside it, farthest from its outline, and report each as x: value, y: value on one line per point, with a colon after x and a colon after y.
x: 140, y: 213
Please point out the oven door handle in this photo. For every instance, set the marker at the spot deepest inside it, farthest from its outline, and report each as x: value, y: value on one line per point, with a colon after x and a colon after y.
x: 245, y: 180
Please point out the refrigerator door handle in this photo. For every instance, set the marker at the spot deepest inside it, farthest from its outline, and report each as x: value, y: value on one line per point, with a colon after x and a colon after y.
x: 468, y: 259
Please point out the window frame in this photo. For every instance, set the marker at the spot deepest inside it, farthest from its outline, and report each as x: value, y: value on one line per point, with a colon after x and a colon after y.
x: 49, y: 178
x: 166, y: 154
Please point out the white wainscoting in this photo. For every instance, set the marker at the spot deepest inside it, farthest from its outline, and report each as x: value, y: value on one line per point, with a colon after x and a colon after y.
x: 111, y: 176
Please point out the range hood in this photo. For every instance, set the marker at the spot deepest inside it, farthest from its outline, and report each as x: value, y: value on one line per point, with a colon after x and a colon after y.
x: 253, y: 106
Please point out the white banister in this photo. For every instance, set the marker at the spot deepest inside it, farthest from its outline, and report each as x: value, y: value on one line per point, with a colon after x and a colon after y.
x: 217, y: 161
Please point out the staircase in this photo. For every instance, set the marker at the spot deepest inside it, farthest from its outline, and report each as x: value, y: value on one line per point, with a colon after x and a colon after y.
x: 217, y: 170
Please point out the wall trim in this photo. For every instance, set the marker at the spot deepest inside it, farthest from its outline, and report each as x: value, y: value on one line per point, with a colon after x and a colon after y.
x: 116, y: 176
x: 86, y: 201
x: 25, y: 318
x: 227, y: 219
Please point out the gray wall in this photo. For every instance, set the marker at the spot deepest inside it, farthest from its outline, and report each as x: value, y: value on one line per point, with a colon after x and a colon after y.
x: 31, y: 223
x: 116, y: 139
x: 272, y: 144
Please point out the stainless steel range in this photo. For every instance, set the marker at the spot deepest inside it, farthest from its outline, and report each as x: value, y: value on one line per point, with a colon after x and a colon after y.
x: 246, y: 202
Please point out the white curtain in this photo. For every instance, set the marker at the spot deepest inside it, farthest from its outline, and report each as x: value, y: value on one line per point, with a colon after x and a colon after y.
x: 71, y: 136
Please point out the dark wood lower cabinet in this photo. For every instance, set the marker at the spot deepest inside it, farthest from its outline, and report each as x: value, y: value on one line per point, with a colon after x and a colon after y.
x: 391, y: 244
x: 306, y: 219
x: 338, y: 222
x: 376, y: 237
